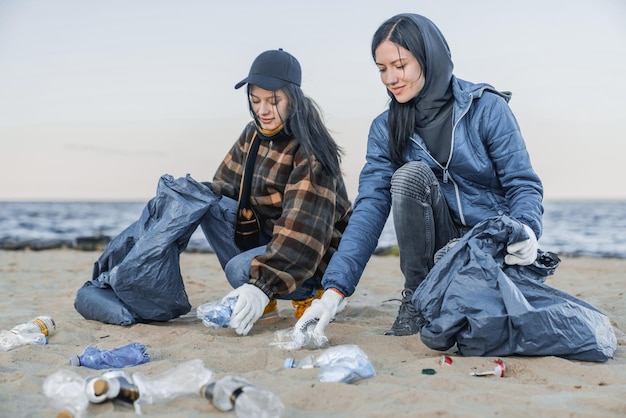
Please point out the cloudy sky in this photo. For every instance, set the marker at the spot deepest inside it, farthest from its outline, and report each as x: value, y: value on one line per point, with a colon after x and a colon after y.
x: 98, y: 99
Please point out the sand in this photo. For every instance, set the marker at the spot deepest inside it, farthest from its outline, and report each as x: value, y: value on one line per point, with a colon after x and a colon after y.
x: 45, y: 282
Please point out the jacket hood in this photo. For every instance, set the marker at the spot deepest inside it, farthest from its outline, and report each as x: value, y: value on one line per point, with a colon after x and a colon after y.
x: 437, y: 67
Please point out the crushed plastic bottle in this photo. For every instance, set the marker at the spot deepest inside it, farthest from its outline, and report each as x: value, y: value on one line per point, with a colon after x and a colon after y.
x: 34, y: 332
x: 186, y: 378
x: 235, y: 392
x: 43, y: 324
x: 138, y: 389
x: 216, y: 314
x: 343, y: 363
x: 129, y: 355
x: 292, y: 339
x: 66, y: 391
x: 9, y: 340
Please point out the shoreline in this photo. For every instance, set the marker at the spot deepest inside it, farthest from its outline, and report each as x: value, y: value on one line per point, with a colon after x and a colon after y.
x: 45, y: 283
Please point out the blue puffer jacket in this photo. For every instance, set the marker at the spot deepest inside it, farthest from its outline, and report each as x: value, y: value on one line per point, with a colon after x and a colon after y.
x: 488, y: 174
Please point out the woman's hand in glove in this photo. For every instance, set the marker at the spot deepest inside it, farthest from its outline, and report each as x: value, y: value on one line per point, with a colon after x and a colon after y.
x: 251, y: 301
x: 523, y: 253
x: 322, y: 311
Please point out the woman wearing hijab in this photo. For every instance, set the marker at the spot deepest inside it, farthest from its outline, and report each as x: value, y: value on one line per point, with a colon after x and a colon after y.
x: 446, y: 155
x: 296, y: 197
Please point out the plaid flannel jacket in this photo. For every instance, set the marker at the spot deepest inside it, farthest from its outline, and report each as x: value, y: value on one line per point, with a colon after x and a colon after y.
x: 298, y: 204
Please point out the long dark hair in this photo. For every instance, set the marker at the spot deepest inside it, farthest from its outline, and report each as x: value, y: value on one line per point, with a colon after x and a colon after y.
x: 305, y: 123
x: 402, y: 31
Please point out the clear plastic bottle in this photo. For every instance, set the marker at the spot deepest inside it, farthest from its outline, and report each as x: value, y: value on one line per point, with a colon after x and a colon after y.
x: 42, y: 324
x: 138, y: 389
x: 129, y: 355
x: 34, y: 332
x: 66, y: 391
x: 292, y: 339
x: 345, y: 363
x: 186, y: 378
x: 235, y: 392
x: 216, y: 314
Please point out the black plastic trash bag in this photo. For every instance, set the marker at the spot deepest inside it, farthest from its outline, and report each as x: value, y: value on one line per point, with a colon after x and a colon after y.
x: 487, y: 308
x: 137, y: 278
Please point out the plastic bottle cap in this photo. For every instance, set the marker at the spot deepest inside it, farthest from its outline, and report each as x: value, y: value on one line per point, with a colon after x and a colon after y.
x: 289, y: 362
x: 74, y: 361
x: 100, y: 387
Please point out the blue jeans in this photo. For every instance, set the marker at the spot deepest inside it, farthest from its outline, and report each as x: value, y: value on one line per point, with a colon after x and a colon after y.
x: 421, y: 219
x: 218, y: 226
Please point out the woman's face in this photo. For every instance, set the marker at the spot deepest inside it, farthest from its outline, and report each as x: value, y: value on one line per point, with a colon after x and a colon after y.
x: 270, y: 107
x: 399, y: 71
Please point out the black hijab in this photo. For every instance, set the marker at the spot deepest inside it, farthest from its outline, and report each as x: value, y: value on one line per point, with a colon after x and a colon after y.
x: 433, y: 105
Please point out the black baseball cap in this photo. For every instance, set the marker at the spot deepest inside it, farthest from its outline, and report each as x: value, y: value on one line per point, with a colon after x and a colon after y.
x: 273, y: 70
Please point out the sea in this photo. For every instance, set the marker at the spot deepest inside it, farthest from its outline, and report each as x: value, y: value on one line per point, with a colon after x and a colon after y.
x: 571, y: 228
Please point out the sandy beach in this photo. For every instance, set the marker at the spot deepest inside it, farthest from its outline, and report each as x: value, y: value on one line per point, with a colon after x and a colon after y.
x: 36, y: 283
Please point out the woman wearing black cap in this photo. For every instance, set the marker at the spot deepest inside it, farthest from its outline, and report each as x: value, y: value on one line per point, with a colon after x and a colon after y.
x: 293, y: 209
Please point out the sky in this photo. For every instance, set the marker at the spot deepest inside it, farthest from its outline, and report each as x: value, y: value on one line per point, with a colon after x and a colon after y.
x: 98, y: 99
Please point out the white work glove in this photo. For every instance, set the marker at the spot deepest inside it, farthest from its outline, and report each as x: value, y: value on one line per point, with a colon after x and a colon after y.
x: 251, y: 302
x: 522, y: 253
x: 322, y: 311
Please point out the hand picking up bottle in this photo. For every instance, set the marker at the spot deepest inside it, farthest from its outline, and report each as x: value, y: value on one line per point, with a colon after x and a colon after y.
x: 293, y: 339
x: 343, y: 363
x: 235, y: 392
x: 131, y: 354
x: 321, y: 312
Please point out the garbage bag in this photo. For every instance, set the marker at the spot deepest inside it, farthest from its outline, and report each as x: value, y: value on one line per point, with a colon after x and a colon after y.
x: 137, y: 278
x: 471, y: 298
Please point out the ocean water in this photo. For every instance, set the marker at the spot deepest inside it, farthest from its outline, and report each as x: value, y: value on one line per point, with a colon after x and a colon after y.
x: 571, y: 228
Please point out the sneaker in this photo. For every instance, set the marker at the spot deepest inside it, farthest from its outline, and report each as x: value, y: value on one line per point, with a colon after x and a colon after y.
x: 407, y: 321
x: 270, y: 314
x: 302, y: 305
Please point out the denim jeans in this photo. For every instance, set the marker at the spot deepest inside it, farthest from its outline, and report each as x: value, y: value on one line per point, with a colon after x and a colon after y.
x: 218, y: 226
x: 421, y: 219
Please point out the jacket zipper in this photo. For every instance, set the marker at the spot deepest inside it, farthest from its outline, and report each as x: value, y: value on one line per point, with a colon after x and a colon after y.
x: 456, y: 187
x: 446, y: 174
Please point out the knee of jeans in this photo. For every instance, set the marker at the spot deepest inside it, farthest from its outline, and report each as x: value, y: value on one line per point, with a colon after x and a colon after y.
x: 413, y: 179
x: 237, y: 272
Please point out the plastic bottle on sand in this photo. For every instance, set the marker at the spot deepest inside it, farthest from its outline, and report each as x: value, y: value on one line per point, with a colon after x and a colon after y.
x: 345, y: 363
x: 34, y: 332
x: 342, y: 363
x: 235, y: 392
x: 129, y: 355
x: 42, y: 324
x: 184, y: 379
x: 66, y: 391
x: 216, y: 314
x: 138, y: 389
